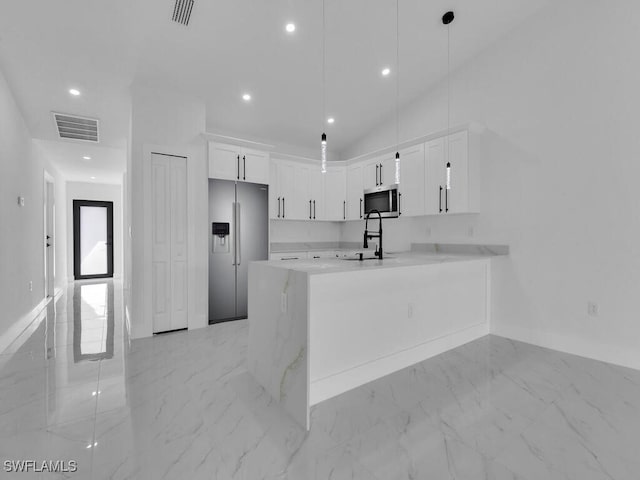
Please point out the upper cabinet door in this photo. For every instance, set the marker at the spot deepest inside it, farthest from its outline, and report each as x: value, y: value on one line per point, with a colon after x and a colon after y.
x: 335, y: 194
x: 355, y: 196
x: 316, y: 190
x: 300, y: 208
x: 457, y: 195
x: 285, y: 197
x: 254, y: 166
x: 387, y: 171
x: 371, y: 174
x: 224, y: 161
x: 434, y: 176
x: 274, y: 202
x: 412, y: 181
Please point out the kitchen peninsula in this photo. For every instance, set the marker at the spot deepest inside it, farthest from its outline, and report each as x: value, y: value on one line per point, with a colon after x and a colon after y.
x: 318, y: 328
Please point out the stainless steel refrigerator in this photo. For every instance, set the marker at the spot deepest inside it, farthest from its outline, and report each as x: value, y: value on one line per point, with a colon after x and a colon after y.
x: 238, y: 234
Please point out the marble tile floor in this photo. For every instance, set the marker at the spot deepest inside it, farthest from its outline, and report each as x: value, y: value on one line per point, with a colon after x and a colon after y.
x: 182, y: 406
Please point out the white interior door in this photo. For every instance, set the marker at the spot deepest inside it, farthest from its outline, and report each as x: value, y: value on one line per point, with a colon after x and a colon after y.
x: 169, y: 242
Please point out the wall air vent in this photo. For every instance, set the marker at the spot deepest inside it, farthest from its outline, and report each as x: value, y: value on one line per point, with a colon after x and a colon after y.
x: 76, y: 128
x: 182, y: 11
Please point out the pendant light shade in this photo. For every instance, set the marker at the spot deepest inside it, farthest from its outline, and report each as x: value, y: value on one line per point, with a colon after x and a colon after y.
x: 323, y: 150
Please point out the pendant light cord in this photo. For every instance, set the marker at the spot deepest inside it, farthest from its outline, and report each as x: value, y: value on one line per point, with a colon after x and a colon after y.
x: 448, y: 86
x: 324, y: 68
x: 397, y: 76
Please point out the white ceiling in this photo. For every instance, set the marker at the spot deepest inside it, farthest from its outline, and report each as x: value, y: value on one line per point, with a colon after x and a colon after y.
x: 102, y: 47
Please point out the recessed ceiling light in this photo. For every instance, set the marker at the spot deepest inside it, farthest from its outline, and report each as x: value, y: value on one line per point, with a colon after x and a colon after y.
x: 75, y: 92
x: 246, y: 97
x: 86, y: 157
x: 386, y: 71
x: 290, y: 27
x: 93, y: 178
x: 331, y: 120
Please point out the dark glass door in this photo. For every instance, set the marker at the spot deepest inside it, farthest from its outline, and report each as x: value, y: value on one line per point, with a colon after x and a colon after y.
x: 92, y: 239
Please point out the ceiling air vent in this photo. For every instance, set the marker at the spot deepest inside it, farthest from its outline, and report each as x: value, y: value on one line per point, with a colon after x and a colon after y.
x: 76, y: 128
x: 182, y: 11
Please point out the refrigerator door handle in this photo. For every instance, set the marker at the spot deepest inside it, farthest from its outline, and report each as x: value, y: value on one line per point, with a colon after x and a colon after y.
x: 233, y: 215
x: 238, y: 257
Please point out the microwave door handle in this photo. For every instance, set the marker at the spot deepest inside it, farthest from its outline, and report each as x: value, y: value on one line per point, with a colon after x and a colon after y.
x: 390, y: 200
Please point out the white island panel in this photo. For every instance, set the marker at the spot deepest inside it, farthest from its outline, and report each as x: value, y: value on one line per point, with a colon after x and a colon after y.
x: 366, y: 324
x: 278, y: 336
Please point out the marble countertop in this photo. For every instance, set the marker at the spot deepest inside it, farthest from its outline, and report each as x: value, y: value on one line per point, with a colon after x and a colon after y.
x: 390, y: 260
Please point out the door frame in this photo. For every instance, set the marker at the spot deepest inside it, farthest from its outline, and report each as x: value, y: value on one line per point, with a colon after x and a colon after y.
x: 76, y: 238
x: 49, y: 241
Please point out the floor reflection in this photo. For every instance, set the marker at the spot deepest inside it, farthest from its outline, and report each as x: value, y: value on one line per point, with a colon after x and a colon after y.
x: 93, y: 320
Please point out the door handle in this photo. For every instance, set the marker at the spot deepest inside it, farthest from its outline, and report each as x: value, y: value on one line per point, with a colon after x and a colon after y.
x: 381, y: 181
x: 399, y: 203
x: 446, y: 199
x: 235, y: 235
x: 440, y: 199
x: 278, y: 207
x: 282, y: 207
x: 309, y: 209
x: 377, y: 166
x: 344, y: 210
x: 238, y: 168
x: 238, y: 249
x: 244, y: 167
x: 314, y: 209
x: 360, y: 208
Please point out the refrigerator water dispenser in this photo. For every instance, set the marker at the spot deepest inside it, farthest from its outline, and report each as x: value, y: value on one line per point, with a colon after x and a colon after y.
x: 220, y: 232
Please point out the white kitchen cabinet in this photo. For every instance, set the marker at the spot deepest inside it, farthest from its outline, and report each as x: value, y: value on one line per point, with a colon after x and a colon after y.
x: 231, y: 162
x: 316, y: 191
x: 412, y: 181
x: 447, y: 174
x: 335, y: 194
x: 255, y: 166
x: 379, y: 171
x: 355, y: 196
x: 281, y: 189
x: 300, y: 206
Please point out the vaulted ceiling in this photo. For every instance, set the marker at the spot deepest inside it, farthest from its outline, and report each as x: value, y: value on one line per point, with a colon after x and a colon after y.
x: 231, y: 47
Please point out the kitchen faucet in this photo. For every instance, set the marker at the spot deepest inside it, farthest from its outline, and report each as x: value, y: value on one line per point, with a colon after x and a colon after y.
x: 367, y: 235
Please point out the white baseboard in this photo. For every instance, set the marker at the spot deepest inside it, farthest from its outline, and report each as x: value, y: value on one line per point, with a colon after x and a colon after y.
x: 575, y: 346
x: 325, y: 388
x: 20, y: 331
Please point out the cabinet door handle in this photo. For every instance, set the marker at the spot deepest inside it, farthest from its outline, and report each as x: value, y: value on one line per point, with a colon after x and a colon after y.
x: 360, y: 208
x: 282, y: 207
x: 244, y: 167
x: 381, y: 181
x: 314, y: 209
x: 446, y: 199
x: 399, y: 203
x: 238, y: 168
x: 440, y: 199
x: 309, y: 209
x: 278, y: 207
x: 377, y: 167
x: 344, y: 210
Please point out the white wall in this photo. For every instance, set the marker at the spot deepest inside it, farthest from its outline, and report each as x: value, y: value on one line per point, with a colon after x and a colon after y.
x: 99, y: 192
x: 166, y: 122
x: 301, y: 231
x: 22, y: 168
x: 560, y: 100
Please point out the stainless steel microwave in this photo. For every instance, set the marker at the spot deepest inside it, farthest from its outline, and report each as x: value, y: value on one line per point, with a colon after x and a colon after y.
x: 383, y: 198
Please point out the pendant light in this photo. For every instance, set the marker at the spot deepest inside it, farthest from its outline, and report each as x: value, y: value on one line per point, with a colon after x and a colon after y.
x: 323, y: 138
x: 447, y: 19
x: 397, y: 91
